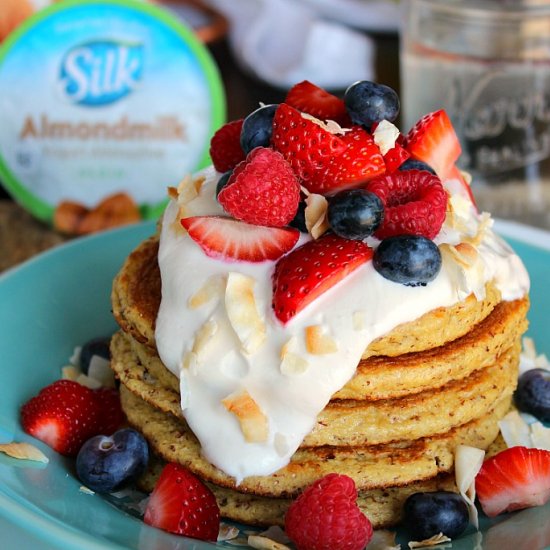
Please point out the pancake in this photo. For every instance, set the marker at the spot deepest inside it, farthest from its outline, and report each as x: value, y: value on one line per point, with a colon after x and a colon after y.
x: 137, y: 292
x: 371, y: 467
x: 351, y: 422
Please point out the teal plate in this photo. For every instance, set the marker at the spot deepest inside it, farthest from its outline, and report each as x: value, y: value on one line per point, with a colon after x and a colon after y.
x: 60, y: 299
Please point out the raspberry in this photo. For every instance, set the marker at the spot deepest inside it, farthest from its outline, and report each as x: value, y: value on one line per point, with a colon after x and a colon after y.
x: 225, y: 146
x: 415, y: 203
x: 262, y: 190
x: 326, y: 517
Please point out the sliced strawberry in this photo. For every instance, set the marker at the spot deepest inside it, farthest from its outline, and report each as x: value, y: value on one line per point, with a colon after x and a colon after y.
x: 360, y: 162
x: 434, y: 141
x: 415, y: 203
x: 304, y: 142
x: 225, y: 146
x: 262, y: 190
x: 463, y: 186
x: 513, y: 479
x: 230, y: 239
x: 180, y: 503
x: 312, y: 269
x: 63, y: 415
x: 309, y: 98
x: 395, y: 157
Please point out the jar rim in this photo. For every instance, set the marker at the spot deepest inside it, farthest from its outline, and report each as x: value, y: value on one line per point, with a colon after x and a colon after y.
x: 487, y: 8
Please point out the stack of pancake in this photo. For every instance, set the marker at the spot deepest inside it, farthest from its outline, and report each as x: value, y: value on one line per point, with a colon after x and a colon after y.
x: 419, y: 391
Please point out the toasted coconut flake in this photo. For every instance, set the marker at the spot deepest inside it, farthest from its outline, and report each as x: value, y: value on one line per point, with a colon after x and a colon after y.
x: 318, y: 342
x: 291, y: 362
x: 100, y: 370
x: 227, y: 532
x: 23, y: 451
x: 383, y: 540
x: 172, y: 193
x: 385, y: 135
x: 514, y: 430
x: 540, y: 436
x: 70, y: 372
x: 330, y: 126
x: 240, y: 305
x: 187, y: 190
x: 316, y: 215
x: 359, y: 320
x: 86, y: 490
x: 468, y: 462
x: 89, y: 382
x: 253, y: 421
x: 203, y: 338
x: 264, y: 543
x: 432, y: 541
x: 212, y: 288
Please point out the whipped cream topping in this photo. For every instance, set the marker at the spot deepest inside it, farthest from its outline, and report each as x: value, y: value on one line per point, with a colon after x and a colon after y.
x: 220, y: 350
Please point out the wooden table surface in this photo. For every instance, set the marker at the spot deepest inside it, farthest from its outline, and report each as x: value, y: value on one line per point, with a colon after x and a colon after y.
x: 22, y: 236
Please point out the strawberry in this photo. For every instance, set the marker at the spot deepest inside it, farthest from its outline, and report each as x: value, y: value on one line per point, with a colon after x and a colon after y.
x: 315, y: 101
x: 63, y: 415
x: 110, y: 416
x: 262, y: 190
x: 180, y: 503
x: 516, y: 478
x: 434, y: 141
x: 326, y: 516
x: 312, y: 269
x: 415, y: 203
x: 395, y: 157
x: 230, y: 239
x: 360, y: 162
x: 304, y: 142
x: 225, y: 146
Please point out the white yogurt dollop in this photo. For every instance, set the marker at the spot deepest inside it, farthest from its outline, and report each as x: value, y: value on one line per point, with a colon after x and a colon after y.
x: 290, y: 402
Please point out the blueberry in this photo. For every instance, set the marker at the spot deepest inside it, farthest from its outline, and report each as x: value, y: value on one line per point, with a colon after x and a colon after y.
x: 533, y: 393
x: 257, y: 128
x: 368, y: 102
x: 355, y: 214
x: 222, y: 182
x: 413, y: 164
x: 427, y: 514
x: 411, y: 260
x: 107, y: 464
x: 97, y: 346
x: 299, y: 221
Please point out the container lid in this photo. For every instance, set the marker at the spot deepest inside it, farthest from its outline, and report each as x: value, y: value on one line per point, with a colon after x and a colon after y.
x: 99, y: 97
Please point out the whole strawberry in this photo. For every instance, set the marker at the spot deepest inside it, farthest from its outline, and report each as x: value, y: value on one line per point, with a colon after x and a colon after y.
x: 180, y: 503
x: 63, y: 415
x: 262, y: 190
x: 326, y: 516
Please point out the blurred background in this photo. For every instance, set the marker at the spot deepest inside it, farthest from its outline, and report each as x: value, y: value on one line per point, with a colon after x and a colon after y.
x: 486, y: 62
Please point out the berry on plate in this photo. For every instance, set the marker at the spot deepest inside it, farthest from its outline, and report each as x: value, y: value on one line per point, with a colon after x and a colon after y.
x: 355, y: 214
x: 368, y: 103
x: 433, y: 140
x: 358, y: 163
x: 307, y: 272
x: 225, y: 146
x: 257, y: 128
x: 107, y: 464
x: 326, y: 517
x: 516, y: 478
x: 533, y: 393
x: 63, y: 415
x: 229, y: 239
x: 428, y: 514
x: 180, y: 503
x: 309, y: 98
x: 415, y: 203
x: 262, y: 190
x: 305, y: 142
x: 410, y: 260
